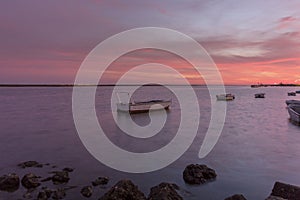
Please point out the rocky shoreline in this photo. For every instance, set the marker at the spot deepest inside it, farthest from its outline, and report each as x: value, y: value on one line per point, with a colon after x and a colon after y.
x: 193, y: 174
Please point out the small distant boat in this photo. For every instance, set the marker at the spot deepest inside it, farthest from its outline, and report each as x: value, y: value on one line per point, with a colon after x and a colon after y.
x: 289, y: 102
x: 260, y: 95
x: 225, y: 97
x: 294, y: 112
x: 291, y: 93
x: 143, y: 106
x: 298, y: 91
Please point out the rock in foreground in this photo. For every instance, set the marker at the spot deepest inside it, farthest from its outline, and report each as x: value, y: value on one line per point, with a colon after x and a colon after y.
x: 60, y: 177
x: 30, y: 181
x: 59, y: 193
x: 9, y: 183
x: 198, y: 174
x: 30, y: 164
x: 164, y: 191
x: 236, y: 197
x: 87, y: 191
x: 100, y: 181
x: 124, y: 190
x: 286, y: 191
x: 44, y: 194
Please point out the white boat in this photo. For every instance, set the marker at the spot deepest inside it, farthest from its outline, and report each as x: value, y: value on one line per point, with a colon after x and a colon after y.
x: 294, y: 111
x: 225, y: 97
x: 288, y: 102
x: 291, y: 93
x: 143, y: 106
x: 260, y: 95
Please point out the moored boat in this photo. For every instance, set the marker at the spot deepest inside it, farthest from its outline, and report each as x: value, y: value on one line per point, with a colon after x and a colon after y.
x: 225, y: 97
x: 291, y: 93
x: 143, y: 106
x: 298, y: 91
x: 294, y: 112
x: 292, y: 101
x: 260, y: 95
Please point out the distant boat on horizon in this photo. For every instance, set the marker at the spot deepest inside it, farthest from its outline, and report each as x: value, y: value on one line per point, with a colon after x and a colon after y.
x: 291, y: 93
x: 259, y: 95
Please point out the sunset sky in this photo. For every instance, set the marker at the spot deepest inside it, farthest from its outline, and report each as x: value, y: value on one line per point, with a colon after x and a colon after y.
x: 250, y: 41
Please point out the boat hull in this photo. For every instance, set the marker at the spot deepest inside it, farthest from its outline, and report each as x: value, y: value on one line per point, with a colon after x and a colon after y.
x: 294, y: 112
x: 143, y: 107
x: 288, y: 102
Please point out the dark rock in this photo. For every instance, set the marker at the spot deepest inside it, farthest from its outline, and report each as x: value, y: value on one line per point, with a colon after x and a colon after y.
x: 68, y: 169
x: 30, y: 164
x: 236, y: 197
x: 124, y: 190
x: 60, y: 177
x: 176, y: 187
x: 10, y: 182
x: 274, y: 198
x: 198, y: 174
x: 100, y: 181
x: 27, y: 195
x: 164, y: 191
x: 87, y: 191
x: 30, y: 181
x: 44, y: 194
x: 286, y: 191
x: 59, y: 193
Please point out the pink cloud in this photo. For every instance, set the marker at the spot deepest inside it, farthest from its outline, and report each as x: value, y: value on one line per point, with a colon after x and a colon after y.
x: 286, y: 22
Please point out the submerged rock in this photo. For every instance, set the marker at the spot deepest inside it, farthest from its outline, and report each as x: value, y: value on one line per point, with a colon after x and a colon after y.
x: 87, y: 191
x: 30, y: 181
x: 68, y: 169
x: 286, y: 191
x: 44, y: 194
x: 198, y: 174
x: 60, y: 177
x: 27, y: 195
x: 10, y: 182
x: 59, y: 193
x: 274, y: 198
x: 100, y: 181
x: 124, y: 190
x: 30, y: 164
x: 164, y: 191
x: 236, y: 197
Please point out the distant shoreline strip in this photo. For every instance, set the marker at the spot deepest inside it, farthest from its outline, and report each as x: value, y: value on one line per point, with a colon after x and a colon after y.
x: 72, y: 85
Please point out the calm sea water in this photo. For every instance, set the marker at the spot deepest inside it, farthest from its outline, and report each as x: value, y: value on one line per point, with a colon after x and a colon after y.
x: 257, y: 147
